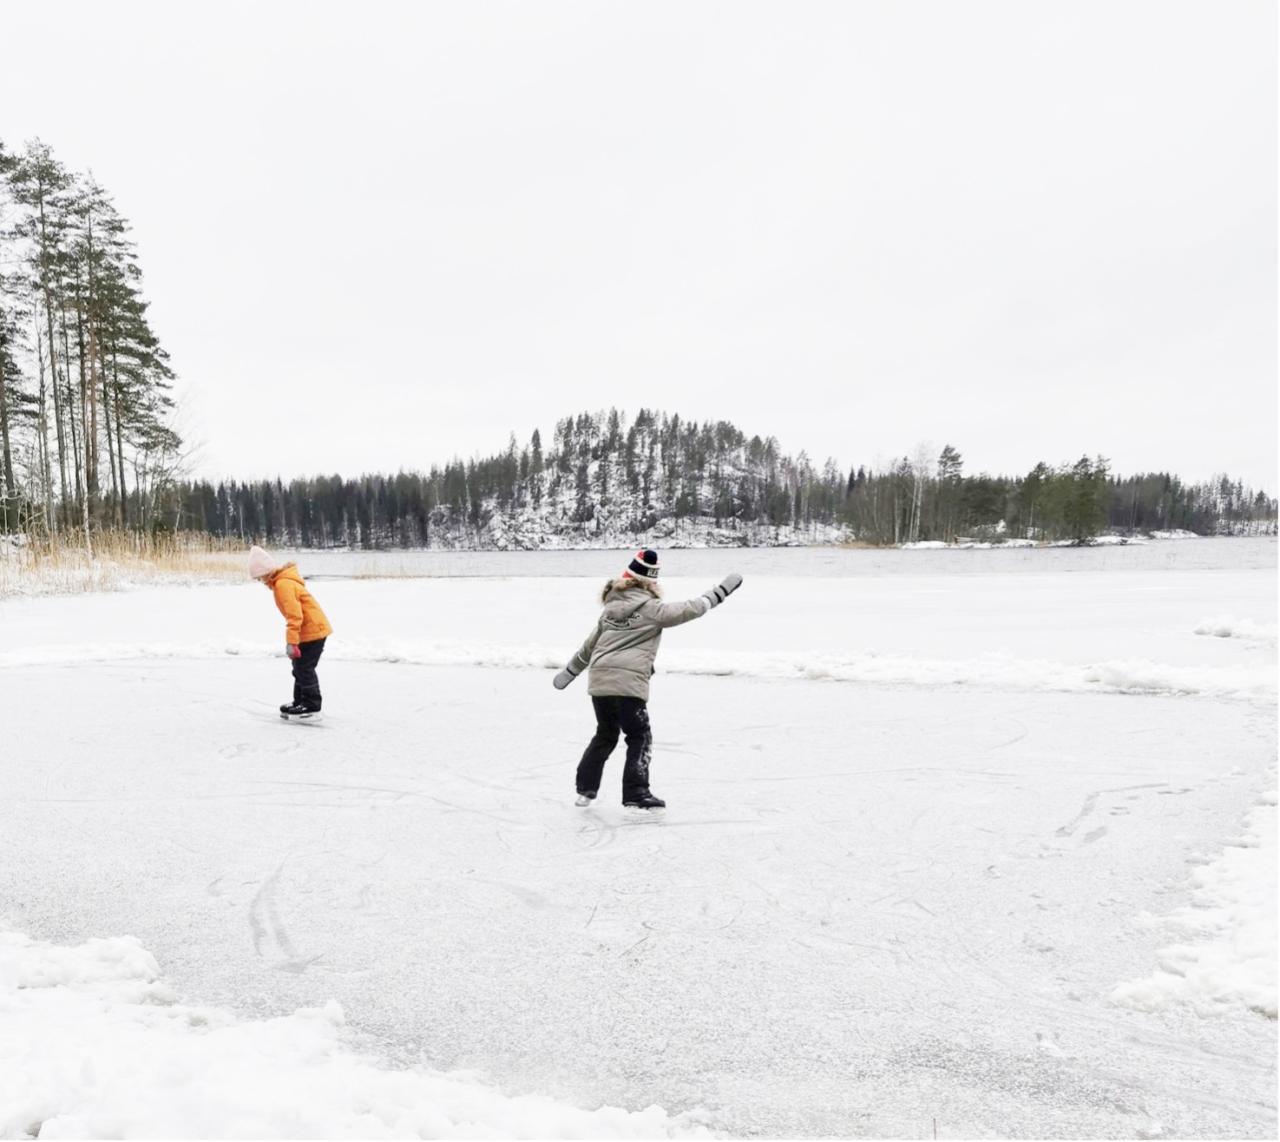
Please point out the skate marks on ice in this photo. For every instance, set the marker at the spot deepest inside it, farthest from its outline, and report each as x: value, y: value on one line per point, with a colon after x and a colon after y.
x: 1047, y: 1078
x: 1091, y: 804
x: 237, y: 750
x: 268, y: 930
x: 785, y: 981
x: 595, y: 832
x: 288, y: 742
x: 529, y: 897
x: 265, y: 712
x: 600, y: 828
x: 344, y: 795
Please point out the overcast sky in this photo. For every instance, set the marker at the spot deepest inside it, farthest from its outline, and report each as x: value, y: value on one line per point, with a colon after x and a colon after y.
x: 379, y: 235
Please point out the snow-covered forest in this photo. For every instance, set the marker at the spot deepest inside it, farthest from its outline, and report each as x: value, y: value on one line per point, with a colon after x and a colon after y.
x: 608, y: 479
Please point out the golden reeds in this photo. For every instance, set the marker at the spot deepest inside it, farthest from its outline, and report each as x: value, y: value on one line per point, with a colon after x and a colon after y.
x: 65, y: 565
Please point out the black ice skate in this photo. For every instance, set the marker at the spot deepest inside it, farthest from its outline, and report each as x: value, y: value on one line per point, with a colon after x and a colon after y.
x: 298, y: 710
x: 645, y: 801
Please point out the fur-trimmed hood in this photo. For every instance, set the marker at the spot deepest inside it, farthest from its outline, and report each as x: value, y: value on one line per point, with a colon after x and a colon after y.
x: 626, y: 585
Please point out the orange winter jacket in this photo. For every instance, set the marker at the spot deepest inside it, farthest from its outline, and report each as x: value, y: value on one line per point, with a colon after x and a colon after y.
x: 304, y: 620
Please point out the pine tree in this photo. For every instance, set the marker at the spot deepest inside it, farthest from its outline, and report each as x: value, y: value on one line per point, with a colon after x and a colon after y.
x: 40, y: 183
x: 950, y: 469
x: 100, y: 376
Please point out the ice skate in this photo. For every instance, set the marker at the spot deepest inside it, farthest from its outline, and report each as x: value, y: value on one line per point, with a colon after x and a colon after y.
x: 645, y: 801
x: 584, y: 799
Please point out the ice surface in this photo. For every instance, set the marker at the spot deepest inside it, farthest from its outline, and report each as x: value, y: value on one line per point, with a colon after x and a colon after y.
x: 872, y: 903
x: 95, y: 1047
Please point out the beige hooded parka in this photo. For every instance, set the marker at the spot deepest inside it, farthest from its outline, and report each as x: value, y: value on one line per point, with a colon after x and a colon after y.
x: 620, y: 652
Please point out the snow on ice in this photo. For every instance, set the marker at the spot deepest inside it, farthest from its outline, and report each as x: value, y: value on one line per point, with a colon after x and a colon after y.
x: 993, y: 669
x: 1227, y: 626
x: 989, y: 841
x: 1229, y: 956
x: 94, y: 1045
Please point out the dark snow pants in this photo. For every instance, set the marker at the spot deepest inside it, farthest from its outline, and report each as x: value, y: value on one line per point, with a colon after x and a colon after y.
x: 629, y: 716
x: 306, y: 686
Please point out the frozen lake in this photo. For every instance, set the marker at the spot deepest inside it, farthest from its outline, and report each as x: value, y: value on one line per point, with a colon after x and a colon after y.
x: 820, y: 562
x: 928, y: 811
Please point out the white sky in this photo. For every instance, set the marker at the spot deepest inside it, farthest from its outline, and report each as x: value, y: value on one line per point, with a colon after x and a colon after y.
x: 379, y: 235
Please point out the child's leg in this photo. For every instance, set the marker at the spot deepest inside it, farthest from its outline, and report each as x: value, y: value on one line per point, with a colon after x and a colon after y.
x: 591, y: 767
x: 634, y: 718
x: 306, y: 681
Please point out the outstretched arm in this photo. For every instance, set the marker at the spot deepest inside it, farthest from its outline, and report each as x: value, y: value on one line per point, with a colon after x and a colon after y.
x: 579, y: 662
x: 673, y: 614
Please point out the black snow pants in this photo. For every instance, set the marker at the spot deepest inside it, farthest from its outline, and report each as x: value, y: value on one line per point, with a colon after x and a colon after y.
x: 613, y: 715
x: 306, y: 686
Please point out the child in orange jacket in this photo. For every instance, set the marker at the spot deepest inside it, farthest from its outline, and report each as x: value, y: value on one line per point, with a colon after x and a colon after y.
x: 305, y: 629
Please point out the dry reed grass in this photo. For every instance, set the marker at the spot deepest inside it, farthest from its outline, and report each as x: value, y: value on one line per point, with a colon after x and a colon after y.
x: 64, y: 565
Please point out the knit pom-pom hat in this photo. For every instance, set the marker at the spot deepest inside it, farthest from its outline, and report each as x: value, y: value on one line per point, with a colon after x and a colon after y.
x: 643, y: 566
x: 261, y: 562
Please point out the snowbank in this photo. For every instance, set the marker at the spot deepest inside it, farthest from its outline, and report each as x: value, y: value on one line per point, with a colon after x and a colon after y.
x: 1228, y: 960
x: 1173, y: 533
x: 997, y: 671
x: 1227, y: 626
x: 94, y: 1045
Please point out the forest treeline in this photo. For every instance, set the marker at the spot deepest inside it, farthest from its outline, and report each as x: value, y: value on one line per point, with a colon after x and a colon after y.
x: 606, y: 479
x: 88, y: 444
x: 86, y: 434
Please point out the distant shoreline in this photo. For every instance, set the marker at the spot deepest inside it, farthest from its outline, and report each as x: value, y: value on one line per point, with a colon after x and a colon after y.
x: 854, y: 545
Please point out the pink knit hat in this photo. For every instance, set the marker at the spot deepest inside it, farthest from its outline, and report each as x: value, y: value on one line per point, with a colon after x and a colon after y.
x: 261, y: 562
